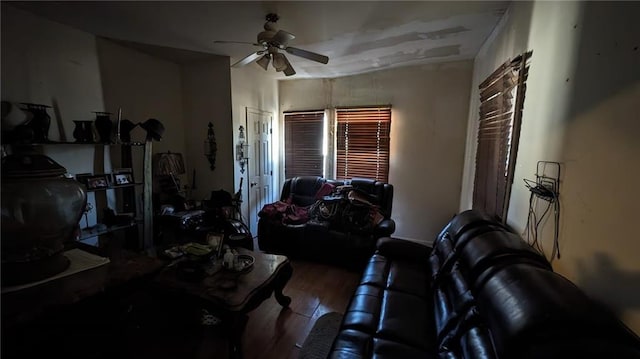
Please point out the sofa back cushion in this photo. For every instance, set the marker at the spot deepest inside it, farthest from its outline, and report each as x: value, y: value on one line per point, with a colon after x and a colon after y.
x: 527, y: 307
x: 380, y: 193
x: 302, y: 190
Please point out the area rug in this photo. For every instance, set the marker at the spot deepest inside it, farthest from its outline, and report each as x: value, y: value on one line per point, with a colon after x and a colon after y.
x: 318, y: 343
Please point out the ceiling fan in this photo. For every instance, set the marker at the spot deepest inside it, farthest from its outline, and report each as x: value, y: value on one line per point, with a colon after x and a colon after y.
x: 272, y: 41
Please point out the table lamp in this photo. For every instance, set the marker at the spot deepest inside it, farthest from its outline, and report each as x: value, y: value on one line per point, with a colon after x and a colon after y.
x: 170, y: 164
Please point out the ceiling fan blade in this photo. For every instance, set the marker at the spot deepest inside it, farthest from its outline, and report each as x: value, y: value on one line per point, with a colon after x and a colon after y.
x: 288, y: 71
x: 235, y: 42
x: 248, y: 59
x: 282, y: 37
x: 307, y: 55
x: 264, y: 61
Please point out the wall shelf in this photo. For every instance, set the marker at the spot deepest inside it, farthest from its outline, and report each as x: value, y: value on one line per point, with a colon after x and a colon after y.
x: 94, y: 231
x: 132, y: 144
x: 116, y: 187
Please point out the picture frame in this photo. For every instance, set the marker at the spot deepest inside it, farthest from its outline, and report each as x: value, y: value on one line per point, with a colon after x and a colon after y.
x: 82, y: 177
x: 122, y: 176
x: 121, y: 179
x: 97, y: 182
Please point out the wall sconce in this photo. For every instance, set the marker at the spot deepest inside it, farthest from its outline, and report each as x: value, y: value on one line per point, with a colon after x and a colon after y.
x: 241, y: 149
x: 211, y: 147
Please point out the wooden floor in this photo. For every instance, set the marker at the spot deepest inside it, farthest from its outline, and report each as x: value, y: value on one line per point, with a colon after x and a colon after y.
x: 271, y: 331
x: 315, y: 289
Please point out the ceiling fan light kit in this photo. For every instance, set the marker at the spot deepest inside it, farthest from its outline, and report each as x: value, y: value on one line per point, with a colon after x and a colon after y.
x: 272, y: 40
x: 264, y: 61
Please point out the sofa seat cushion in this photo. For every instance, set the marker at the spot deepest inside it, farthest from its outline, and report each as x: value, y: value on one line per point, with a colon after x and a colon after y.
x: 378, y: 321
x: 387, y: 349
x: 391, y: 312
x: 407, y: 319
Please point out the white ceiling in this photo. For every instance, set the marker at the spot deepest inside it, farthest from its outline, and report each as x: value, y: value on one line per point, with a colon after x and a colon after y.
x: 358, y: 36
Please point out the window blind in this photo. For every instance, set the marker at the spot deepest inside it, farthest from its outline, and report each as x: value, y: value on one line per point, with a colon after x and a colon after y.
x: 362, y: 143
x: 303, y: 143
x: 501, y: 100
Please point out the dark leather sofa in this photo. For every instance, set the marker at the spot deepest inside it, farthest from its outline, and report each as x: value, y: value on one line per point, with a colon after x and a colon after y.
x: 321, y: 240
x: 480, y: 292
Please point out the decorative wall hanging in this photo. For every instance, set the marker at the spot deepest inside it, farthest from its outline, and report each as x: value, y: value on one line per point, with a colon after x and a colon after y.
x: 241, y: 149
x: 211, y: 147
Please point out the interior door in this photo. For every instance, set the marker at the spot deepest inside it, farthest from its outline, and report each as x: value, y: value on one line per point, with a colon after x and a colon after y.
x: 260, y: 166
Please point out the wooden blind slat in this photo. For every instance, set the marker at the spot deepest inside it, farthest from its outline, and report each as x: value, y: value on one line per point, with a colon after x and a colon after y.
x: 500, y: 93
x: 363, y: 143
x: 303, y: 143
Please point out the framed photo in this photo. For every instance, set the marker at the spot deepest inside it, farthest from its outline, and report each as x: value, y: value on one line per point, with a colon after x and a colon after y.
x: 97, y: 182
x: 82, y: 177
x: 120, y: 179
x: 122, y: 176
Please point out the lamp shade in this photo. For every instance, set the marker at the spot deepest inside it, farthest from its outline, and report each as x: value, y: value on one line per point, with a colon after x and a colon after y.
x: 169, y: 163
x: 264, y: 61
x: 279, y: 62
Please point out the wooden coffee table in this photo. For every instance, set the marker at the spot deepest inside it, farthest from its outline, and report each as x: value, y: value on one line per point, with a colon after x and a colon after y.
x: 231, y: 295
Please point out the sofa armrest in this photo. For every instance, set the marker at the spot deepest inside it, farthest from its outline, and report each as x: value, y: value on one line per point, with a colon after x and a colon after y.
x: 400, y: 248
x: 385, y: 228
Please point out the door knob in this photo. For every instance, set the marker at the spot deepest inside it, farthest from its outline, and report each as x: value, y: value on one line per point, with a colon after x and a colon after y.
x: 253, y: 183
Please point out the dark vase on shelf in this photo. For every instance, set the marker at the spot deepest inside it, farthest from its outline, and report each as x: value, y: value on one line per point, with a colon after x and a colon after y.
x: 103, y: 126
x: 83, y: 131
x: 78, y: 132
x: 40, y: 121
x: 41, y: 209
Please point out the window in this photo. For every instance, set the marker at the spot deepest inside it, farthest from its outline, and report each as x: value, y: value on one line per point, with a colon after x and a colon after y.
x: 501, y: 99
x: 303, y: 136
x: 362, y: 143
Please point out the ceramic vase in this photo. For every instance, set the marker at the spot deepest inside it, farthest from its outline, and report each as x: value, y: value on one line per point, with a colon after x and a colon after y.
x: 41, y: 209
x: 103, y: 126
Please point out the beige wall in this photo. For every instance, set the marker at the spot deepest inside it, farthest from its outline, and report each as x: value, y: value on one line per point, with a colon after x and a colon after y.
x: 429, y: 114
x: 144, y: 87
x: 47, y: 63
x: 580, y: 110
x: 206, y: 97
x: 252, y: 87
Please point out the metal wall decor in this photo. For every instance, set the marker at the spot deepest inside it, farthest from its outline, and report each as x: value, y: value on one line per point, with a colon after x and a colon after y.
x: 241, y: 148
x: 211, y: 147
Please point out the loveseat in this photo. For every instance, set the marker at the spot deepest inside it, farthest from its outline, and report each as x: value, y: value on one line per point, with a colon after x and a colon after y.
x: 479, y: 292
x: 303, y: 229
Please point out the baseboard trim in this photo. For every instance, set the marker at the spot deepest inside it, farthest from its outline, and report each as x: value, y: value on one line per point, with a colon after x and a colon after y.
x: 419, y: 241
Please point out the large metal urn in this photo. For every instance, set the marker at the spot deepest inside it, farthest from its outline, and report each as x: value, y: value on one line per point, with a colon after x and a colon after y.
x: 41, y: 209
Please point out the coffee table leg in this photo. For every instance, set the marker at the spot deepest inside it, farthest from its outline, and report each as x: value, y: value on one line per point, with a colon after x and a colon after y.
x: 280, y: 281
x: 237, y: 323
